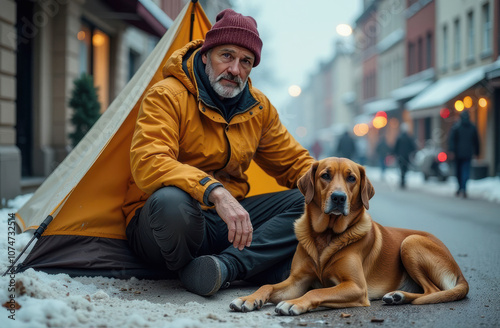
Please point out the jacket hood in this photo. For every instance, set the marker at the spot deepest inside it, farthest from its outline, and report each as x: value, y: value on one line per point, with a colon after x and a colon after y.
x: 173, y: 67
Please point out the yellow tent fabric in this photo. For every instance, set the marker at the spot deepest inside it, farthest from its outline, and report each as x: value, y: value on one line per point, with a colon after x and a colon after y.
x: 86, y: 191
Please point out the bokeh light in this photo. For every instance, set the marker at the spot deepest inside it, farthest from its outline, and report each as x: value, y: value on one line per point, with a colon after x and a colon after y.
x: 444, y: 112
x: 482, y: 102
x: 344, y: 29
x: 468, y: 102
x: 442, y: 157
x: 294, y: 90
x: 80, y: 35
x: 379, y: 122
x: 301, y: 131
x: 459, y: 105
x: 361, y: 129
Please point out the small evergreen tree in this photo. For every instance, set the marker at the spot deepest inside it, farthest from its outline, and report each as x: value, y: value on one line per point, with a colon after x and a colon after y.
x: 86, y: 107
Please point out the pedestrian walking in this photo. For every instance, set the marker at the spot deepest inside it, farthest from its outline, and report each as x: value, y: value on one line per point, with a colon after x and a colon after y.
x: 382, y: 151
x: 196, y: 133
x: 346, y: 146
x: 403, y: 150
x: 463, y: 145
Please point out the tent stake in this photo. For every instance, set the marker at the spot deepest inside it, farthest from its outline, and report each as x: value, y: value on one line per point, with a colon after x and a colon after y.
x: 37, y: 234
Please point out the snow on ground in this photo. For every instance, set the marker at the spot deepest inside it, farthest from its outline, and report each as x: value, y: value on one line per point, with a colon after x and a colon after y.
x: 61, y: 301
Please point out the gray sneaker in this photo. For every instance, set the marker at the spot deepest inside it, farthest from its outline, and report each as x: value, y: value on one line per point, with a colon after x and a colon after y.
x: 204, y: 275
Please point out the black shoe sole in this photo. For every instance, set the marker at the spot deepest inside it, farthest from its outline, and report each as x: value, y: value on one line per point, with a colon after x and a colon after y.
x: 202, y: 276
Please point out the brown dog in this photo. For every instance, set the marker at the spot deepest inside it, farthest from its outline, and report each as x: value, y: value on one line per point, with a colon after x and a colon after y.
x: 350, y: 259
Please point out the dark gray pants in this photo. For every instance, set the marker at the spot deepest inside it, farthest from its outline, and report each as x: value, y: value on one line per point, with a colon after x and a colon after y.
x: 172, y: 229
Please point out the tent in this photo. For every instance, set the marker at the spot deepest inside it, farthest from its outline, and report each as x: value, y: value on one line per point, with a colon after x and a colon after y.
x: 84, y: 194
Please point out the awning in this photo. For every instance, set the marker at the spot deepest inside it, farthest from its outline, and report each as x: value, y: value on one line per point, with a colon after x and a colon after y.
x: 410, y: 90
x: 445, y: 89
x: 386, y: 105
x: 143, y: 14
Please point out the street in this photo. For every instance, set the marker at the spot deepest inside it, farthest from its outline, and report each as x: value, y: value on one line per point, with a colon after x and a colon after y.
x: 470, y: 228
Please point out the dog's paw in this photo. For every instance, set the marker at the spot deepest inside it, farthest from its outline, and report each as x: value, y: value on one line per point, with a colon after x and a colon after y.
x: 393, y: 298
x: 285, y: 308
x: 240, y: 305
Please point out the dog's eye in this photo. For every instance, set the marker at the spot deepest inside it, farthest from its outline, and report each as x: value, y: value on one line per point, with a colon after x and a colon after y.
x: 325, y: 176
x: 351, y: 179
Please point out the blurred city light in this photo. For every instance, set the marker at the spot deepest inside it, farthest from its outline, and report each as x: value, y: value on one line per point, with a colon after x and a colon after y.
x: 444, y: 112
x: 361, y: 129
x: 442, y: 157
x: 301, y: 131
x: 482, y: 102
x: 459, y: 105
x: 468, y: 102
x: 294, y: 90
x: 344, y: 29
x: 98, y: 40
x: 81, y: 35
x: 380, y: 120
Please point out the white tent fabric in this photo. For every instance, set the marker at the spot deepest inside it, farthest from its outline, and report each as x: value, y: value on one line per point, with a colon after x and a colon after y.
x: 51, y: 195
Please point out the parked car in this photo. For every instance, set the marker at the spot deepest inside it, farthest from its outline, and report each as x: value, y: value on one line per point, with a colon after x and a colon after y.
x: 432, y: 161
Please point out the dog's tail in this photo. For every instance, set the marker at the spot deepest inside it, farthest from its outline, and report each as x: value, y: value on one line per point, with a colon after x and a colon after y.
x: 458, y: 292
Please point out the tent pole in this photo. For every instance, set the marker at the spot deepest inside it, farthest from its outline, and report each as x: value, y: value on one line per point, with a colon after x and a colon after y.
x: 192, y: 21
x: 37, y: 234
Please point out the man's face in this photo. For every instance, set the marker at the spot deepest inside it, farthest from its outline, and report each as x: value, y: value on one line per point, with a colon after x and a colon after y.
x: 228, y: 68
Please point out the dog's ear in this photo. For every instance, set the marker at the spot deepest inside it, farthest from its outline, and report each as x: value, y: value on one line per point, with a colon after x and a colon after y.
x: 306, y: 183
x: 367, y: 190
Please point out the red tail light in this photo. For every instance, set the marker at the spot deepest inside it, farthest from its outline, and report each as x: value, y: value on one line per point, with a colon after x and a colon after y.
x: 442, y: 157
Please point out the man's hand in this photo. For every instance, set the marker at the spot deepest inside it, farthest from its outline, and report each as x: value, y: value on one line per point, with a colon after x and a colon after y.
x: 239, y: 227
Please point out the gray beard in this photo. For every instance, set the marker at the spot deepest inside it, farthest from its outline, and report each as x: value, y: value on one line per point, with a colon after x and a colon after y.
x: 221, y: 90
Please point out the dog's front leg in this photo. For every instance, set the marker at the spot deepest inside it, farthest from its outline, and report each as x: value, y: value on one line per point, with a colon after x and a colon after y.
x: 290, y: 288
x: 299, y: 281
x: 346, y: 294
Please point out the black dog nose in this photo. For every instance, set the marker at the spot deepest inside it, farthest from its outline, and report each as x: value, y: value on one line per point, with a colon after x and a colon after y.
x: 338, y: 198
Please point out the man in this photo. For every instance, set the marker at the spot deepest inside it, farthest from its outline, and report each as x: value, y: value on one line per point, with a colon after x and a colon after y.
x: 464, y: 144
x: 346, y: 146
x: 196, y: 133
x: 403, y: 150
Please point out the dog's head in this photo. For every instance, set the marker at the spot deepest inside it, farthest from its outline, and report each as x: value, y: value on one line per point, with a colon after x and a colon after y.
x: 339, y: 189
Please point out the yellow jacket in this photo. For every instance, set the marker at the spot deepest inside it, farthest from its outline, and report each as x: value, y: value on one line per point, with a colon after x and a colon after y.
x: 180, y: 141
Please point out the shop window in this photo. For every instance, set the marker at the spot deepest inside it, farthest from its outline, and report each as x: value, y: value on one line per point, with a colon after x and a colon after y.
x: 95, y: 59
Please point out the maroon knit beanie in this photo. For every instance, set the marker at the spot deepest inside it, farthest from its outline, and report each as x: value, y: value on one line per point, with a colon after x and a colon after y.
x: 233, y: 28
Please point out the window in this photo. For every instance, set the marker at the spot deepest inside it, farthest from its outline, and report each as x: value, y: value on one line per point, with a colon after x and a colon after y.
x: 445, y: 48
x: 487, y: 28
x: 428, y: 50
x: 95, y: 59
x: 456, y: 41
x: 420, y: 55
x: 470, y: 36
x: 411, y: 58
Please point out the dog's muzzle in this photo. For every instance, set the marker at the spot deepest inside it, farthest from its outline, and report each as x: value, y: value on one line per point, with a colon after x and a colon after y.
x: 337, y: 204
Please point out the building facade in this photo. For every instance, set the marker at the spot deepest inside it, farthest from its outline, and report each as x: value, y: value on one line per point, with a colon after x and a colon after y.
x: 464, y: 53
x: 422, y: 62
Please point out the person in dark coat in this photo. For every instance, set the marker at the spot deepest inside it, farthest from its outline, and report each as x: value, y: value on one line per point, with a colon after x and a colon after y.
x: 382, y: 150
x: 464, y: 144
x: 346, y: 146
x: 403, y: 150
